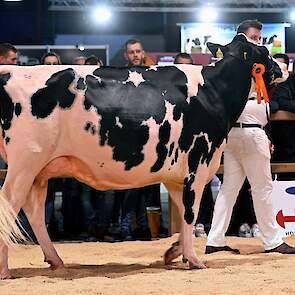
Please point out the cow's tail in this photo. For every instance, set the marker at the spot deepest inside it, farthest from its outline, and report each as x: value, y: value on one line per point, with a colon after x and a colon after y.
x: 10, y: 228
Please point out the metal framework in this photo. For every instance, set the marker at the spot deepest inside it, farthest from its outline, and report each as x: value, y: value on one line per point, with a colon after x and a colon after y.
x: 260, y: 6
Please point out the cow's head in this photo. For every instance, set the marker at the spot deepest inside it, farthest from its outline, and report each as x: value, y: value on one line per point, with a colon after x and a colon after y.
x: 249, y: 53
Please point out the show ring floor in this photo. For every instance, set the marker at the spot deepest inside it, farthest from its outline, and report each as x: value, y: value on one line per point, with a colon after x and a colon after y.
x: 137, y: 268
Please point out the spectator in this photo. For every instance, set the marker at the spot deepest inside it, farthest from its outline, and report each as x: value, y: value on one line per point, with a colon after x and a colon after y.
x: 79, y: 60
x: 134, y: 53
x: 183, y: 58
x: 8, y: 54
x: 282, y: 132
x: 93, y: 60
x: 50, y: 58
x: 247, y: 144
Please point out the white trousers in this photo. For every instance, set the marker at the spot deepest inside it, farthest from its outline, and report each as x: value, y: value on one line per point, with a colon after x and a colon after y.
x: 246, y: 155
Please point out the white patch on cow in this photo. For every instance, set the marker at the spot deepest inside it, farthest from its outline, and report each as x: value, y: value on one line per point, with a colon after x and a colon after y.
x: 118, y: 123
x: 135, y: 78
x: 152, y: 68
x: 194, y: 78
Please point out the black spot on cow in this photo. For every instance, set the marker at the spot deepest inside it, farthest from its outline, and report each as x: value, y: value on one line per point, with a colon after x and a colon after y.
x: 4, y: 79
x: 93, y: 130
x: 197, y: 154
x: 87, y: 125
x: 90, y: 127
x: 6, y: 105
x: 17, y: 109
x: 171, y: 148
x: 81, y: 84
x: 188, y: 199
x: 162, y: 151
x: 55, y: 93
x: 115, y: 98
x: 176, y: 155
x: 7, y: 140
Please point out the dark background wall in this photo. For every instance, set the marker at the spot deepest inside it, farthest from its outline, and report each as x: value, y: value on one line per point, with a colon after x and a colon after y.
x: 30, y: 22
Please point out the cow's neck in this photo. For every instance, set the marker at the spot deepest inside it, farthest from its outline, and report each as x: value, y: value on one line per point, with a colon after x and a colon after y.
x: 230, y: 80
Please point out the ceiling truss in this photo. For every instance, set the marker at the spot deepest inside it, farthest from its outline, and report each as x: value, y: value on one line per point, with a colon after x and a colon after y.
x: 261, y: 6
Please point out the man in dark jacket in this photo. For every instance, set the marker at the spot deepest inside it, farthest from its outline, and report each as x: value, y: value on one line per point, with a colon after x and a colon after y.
x: 283, y: 132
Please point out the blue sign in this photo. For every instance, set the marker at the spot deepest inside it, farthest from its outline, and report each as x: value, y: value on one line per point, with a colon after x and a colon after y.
x: 290, y: 190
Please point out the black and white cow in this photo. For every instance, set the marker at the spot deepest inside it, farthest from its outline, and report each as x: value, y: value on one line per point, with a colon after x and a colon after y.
x: 118, y: 128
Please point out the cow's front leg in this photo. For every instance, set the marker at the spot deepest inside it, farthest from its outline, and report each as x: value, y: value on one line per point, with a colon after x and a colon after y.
x: 175, y: 192
x: 192, y: 193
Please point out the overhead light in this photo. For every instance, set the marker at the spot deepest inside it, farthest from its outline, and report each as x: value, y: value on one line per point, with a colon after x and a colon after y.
x: 101, y: 14
x: 81, y: 47
x: 13, y: 0
x: 292, y: 15
x: 208, y: 14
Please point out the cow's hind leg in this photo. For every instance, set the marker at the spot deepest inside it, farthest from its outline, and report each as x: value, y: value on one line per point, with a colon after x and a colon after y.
x: 175, y: 192
x: 188, y: 204
x: 192, y: 192
x: 35, y: 211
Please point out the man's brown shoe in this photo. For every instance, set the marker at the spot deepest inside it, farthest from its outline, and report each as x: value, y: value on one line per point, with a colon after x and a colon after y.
x: 213, y: 249
x: 283, y: 248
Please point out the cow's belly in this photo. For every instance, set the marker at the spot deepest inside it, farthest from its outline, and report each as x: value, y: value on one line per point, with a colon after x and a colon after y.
x: 110, y: 175
x: 80, y: 154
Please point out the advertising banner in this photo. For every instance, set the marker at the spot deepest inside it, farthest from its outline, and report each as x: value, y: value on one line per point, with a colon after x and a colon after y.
x: 283, y: 196
x: 194, y: 36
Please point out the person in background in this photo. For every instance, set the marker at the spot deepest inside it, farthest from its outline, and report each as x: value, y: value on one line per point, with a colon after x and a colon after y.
x: 93, y: 60
x: 8, y: 54
x: 283, y: 132
x: 79, y: 60
x: 134, y: 53
x: 50, y: 58
x: 247, y: 144
x: 206, y: 205
x: 183, y: 58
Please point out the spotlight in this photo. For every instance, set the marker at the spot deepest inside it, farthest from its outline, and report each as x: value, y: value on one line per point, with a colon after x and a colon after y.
x: 81, y: 47
x: 101, y: 14
x: 208, y: 14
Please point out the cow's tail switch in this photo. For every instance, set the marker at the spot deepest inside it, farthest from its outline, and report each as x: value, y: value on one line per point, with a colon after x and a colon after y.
x: 10, y: 231
x: 257, y: 72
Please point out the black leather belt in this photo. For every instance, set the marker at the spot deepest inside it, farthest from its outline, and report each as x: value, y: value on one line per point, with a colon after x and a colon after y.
x: 246, y: 125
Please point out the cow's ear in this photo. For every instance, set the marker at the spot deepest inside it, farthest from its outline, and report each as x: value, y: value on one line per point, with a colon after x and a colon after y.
x: 241, y: 37
x: 217, y: 50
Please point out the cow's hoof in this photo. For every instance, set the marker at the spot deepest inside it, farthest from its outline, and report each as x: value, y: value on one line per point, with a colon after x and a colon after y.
x: 5, y: 275
x: 54, y: 265
x: 172, y: 253
x: 194, y: 265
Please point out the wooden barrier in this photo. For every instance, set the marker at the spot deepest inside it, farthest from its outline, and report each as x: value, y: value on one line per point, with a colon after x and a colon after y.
x: 175, y: 219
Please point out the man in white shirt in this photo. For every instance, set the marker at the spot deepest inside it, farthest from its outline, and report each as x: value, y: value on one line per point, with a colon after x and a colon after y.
x: 247, y: 154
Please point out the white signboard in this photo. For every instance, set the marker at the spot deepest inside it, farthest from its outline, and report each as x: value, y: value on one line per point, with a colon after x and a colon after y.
x: 284, y: 206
